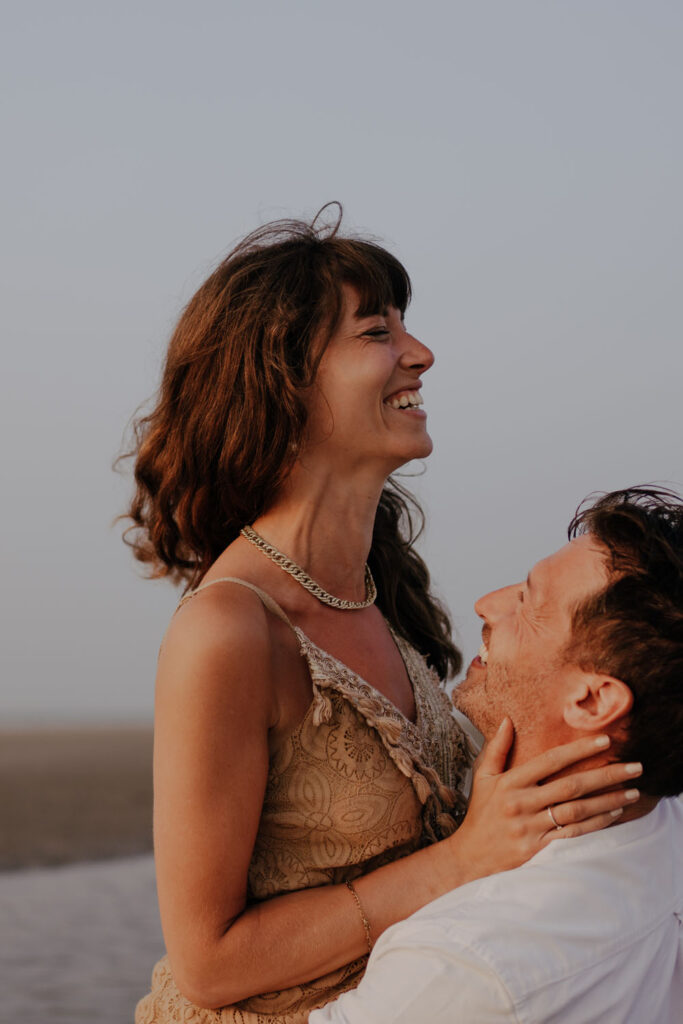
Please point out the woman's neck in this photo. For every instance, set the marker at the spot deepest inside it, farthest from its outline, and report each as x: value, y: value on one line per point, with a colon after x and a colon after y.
x: 324, y: 523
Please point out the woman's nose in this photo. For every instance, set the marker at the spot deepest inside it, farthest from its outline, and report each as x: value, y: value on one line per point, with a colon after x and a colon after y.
x: 416, y: 356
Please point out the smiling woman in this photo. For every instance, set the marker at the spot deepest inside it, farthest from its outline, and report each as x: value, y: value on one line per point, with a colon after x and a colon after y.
x: 308, y: 770
x: 365, y: 408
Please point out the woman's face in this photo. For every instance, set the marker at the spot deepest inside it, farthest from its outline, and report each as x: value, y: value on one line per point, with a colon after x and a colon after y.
x: 366, y: 405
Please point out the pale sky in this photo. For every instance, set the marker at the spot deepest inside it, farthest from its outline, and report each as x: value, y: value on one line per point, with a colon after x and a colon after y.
x: 524, y: 160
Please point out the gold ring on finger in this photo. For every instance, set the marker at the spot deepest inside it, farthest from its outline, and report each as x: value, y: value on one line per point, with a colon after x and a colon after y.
x: 552, y: 818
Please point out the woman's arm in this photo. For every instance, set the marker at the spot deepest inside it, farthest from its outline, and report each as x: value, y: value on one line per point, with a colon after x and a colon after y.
x: 216, y: 702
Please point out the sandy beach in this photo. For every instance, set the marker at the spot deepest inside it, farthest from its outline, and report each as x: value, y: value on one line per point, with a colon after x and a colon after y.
x: 80, y: 925
x: 70, y: 794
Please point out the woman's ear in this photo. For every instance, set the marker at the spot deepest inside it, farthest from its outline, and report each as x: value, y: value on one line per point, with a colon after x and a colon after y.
x: 595, y: 701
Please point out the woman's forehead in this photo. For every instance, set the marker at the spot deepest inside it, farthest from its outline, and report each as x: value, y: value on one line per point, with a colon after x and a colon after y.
x: 359, y: 306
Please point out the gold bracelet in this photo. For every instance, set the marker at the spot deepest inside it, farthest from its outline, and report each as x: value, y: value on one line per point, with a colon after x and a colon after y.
x: 366, y: 923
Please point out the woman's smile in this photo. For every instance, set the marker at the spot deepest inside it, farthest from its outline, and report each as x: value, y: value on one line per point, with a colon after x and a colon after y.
x: 406, y: 400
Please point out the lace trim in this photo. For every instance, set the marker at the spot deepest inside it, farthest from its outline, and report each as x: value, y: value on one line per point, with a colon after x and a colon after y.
x: 443, y: 808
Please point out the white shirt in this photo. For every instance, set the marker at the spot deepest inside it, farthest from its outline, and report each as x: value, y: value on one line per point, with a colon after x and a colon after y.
x: 587, y: 932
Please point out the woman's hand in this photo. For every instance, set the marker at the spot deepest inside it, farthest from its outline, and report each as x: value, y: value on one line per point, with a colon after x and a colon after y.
x: 508, y: 820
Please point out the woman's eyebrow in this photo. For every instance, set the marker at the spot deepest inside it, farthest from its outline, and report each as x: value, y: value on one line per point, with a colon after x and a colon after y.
x: 367, y: 316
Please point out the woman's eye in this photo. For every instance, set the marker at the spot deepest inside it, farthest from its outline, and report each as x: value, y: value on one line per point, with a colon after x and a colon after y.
x: 377, y: 332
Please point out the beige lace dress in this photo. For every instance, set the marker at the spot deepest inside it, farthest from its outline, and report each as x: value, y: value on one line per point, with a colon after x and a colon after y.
x: 354, y: 786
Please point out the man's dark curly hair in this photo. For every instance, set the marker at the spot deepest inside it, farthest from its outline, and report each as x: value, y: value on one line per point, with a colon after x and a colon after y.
x: 633, y: 628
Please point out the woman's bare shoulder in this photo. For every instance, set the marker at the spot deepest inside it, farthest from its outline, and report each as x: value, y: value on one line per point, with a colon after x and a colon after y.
x: 226, y: 609
x: 217, y: 638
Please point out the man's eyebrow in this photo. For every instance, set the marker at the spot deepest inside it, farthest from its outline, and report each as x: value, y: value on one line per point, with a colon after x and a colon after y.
x: 536, y: 586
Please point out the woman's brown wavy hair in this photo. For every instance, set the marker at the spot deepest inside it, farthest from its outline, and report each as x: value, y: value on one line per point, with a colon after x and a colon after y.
x: 230, y: 415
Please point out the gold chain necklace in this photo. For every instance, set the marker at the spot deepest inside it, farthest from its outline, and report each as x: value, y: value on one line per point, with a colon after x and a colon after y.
x: 305, y: 580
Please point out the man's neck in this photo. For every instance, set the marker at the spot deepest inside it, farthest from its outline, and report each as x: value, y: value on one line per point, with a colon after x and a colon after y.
x: 525, y: 748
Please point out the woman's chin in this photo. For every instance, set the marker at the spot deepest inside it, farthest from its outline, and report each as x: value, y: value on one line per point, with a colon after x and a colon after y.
x: 420, y: 449
x: 409, y: 453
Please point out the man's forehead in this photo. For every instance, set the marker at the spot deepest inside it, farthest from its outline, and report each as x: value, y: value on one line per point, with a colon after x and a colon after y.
x: 576, y: 570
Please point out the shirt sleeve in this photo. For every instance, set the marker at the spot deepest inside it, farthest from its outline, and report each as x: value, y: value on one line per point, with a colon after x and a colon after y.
x: 420, y: 981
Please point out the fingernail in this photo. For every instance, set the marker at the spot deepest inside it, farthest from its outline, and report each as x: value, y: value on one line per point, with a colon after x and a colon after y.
x: 635, y: 768
x: 632, y: 794
x: 617, y: 812
x: 602, y: 741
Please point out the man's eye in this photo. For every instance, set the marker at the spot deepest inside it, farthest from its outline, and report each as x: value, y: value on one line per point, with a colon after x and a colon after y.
x: 521, y: 596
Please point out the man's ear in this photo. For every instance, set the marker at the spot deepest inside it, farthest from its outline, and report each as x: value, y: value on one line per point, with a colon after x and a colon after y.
x: 594, y: 701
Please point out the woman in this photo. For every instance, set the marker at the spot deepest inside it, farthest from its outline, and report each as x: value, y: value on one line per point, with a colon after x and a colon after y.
x: 308, y: 772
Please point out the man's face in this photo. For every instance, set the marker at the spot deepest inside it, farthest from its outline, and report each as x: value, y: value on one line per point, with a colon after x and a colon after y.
x: 520, y: 671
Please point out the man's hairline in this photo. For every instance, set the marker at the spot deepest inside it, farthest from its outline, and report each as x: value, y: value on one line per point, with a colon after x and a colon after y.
x: 577, y: 606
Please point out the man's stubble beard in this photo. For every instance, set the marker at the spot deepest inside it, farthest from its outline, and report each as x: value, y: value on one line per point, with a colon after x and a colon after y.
x: 486, y: 701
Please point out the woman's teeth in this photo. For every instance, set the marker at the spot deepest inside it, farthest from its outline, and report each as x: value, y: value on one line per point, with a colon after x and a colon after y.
x: 484, y: 654
x: 404, y: 400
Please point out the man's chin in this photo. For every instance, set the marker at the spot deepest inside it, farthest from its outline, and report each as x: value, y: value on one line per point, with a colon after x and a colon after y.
x: 471, y: 699
x: 467, y: 704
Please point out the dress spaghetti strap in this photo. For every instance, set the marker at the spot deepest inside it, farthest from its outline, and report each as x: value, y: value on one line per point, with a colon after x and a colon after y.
x: 269, y: 602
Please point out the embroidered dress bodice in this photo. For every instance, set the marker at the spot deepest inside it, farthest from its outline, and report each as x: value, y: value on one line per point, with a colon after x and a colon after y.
x: 354, y: 786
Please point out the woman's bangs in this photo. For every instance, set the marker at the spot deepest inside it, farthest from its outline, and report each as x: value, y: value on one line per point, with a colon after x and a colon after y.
x: 378, y: 277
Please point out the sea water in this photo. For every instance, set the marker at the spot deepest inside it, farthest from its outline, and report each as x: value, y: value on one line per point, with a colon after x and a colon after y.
x: 78, y: 942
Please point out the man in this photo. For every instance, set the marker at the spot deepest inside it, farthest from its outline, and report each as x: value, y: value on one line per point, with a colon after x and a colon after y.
x: 589, y: 930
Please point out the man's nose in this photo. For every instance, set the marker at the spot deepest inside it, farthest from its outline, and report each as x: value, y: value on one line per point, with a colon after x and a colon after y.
x: 480, y: 606
x: 491, y: 606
